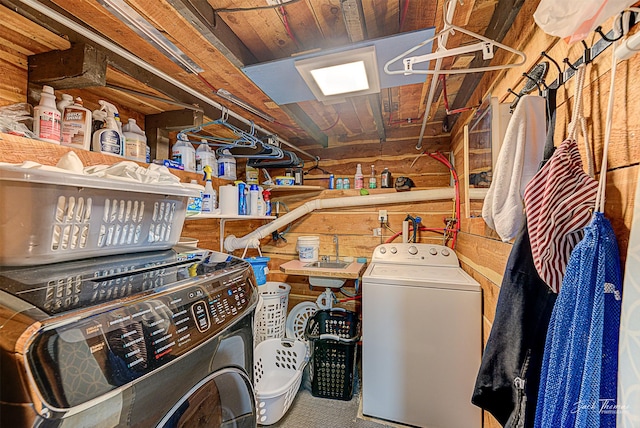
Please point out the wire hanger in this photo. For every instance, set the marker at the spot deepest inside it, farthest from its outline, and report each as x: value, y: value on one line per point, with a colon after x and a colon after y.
x: 316, y: 166
x: 485, y: 46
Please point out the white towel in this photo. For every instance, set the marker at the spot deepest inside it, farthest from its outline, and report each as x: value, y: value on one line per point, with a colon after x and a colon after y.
x: 518, y: 161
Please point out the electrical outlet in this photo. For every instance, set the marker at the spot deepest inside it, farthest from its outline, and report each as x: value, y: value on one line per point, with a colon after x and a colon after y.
x: 382, y: 216
x: 377, y: 231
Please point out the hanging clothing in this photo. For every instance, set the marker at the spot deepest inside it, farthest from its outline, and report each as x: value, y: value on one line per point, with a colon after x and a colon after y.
x: 578, y: 380
x: 558, y: 201
x: 509, y: 375
x: 578, y: 384
x: 507, y: 382
x: 518, y: 160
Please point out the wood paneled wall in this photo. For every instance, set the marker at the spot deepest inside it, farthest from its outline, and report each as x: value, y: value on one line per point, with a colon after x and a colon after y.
x: 481, y: 252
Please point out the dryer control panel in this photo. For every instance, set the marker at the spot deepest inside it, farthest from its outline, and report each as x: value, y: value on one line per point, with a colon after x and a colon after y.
x: 415, y: 254
x: 85, y: 359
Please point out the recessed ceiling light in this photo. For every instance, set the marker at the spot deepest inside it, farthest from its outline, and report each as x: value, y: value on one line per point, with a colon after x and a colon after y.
x: 334, y: 77
x: 340, y: 79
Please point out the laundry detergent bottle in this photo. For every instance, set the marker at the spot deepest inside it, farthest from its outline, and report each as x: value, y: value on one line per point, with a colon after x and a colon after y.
x: 76, y: 126
x: 47, y: 119
x: 109, y: 139
x: 135, y: 141
x: 184, y: 153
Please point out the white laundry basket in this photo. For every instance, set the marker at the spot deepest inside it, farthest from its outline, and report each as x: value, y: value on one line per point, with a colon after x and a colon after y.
x: 271, y: 318
x: 278, y: 366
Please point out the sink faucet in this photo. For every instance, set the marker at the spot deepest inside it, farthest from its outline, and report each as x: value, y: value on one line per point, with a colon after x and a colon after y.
x: 335, y: 240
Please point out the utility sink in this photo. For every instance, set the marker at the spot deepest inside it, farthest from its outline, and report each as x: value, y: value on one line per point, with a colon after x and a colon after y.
x: 327, y: 265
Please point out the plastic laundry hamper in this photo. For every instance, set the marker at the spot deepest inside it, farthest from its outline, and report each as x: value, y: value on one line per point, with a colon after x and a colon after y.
x: 271, y: 318
x: 278, y: 366
x: 333, y: 335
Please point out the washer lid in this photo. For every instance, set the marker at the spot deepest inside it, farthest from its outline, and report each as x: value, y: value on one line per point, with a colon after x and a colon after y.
x: 453, y: 278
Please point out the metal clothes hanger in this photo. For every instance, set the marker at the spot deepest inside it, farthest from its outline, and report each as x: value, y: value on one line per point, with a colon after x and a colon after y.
x: 485, y: 46
x: 316, y: 166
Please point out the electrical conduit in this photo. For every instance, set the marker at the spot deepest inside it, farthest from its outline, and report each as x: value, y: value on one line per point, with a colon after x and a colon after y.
x: 252, y: 240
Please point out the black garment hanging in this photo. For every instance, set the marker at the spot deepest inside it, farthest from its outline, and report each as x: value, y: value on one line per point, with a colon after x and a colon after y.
x: 509, y: 375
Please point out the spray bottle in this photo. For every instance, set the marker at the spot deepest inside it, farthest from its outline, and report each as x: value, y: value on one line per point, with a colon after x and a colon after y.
x: 266, y: 195
x: 209, y: 196
x: 242, y: 197
x: 109, y: 139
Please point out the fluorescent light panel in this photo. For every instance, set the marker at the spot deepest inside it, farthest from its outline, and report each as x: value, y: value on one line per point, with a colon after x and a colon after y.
x: 340, y: 79
x: 336, y: 76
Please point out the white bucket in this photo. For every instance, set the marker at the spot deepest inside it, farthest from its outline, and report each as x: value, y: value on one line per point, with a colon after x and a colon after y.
x: 308, y: 248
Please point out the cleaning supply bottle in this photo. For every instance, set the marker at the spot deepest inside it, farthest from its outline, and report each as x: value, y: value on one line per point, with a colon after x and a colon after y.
x: 372, y: 179
x: 251, y: 174
x: 135, y: 141
x: 65, y: 101
x: 109, y: 139
x: 242, y: 197
x: 386, y: 181
x: 47, y: 119
x: 184, y: 153
x: 266, y: 195
x: 76, y: 126
x: 226, y: 165
x: 209, y: 196
x: 359, y: 178
x: 206, y: 156
x: 262, y: 209
x: 254, y: 196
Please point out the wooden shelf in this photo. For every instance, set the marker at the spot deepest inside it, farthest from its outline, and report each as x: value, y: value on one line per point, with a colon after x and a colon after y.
x: 302, y: 188
x: 230, y: 217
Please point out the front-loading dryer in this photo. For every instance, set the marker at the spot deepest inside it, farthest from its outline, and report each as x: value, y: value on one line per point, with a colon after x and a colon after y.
x: 152, y: 339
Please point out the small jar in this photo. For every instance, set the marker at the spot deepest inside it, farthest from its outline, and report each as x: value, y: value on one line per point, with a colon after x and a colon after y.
x: 346, y: 184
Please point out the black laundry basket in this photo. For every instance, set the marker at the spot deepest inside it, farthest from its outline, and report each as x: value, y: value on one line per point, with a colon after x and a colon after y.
x: 333, y: 336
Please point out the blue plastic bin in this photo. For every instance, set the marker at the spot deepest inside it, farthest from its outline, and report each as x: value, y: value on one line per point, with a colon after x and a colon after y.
x: 260, y: 269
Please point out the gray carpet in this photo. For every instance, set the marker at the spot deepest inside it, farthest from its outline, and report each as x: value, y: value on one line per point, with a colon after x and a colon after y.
x: 308, y: 411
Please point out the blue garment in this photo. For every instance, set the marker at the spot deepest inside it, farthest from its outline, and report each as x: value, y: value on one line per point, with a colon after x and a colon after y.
x: 578, y: 384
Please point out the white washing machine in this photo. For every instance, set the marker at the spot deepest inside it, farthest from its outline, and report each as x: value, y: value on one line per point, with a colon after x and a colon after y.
x: 421, y: 337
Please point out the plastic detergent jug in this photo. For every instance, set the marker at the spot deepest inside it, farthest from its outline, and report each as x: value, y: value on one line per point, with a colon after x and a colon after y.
x: 308, y: 248
x: 135, y: 141
x: 184, y: 153
x: 260, y: 268
x: 206, y: 156
x: 76, y: 126
x: 65, y: 101
x: 109, y: 139
x: 227, y: 166
x: 47, y: 119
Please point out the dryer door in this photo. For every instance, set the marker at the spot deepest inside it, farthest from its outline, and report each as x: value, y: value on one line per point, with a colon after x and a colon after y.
x: 223, y: 399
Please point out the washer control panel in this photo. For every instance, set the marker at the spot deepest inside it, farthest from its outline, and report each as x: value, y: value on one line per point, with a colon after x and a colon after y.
x: 415, y: 254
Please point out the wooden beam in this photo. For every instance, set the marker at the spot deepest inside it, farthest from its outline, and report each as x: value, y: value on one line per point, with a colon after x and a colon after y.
x: 79, y: 67
x: 200, y: 14
x: 305, y: 122
x: 504, y: 15
x: 157, y: 127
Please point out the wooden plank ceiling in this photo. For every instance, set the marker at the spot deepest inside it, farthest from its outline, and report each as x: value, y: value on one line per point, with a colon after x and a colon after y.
x: 223, y: 35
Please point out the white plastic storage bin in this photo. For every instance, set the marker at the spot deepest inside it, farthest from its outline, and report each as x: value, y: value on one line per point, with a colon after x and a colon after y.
x: 271, y: 318
x: 51, y: 216
x: 278, y: 366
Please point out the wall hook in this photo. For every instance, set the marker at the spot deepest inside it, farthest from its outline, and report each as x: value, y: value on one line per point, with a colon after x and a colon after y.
x: 604, y: 36
x: 586, y: 57
x: 535, y: 81
x: 511, y: 91
x: 560, y: 72
x: 566, y: 61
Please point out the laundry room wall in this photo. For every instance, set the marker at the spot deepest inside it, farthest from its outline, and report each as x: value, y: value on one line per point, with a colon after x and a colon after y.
x: 479, y: 248
x: 355, y: 226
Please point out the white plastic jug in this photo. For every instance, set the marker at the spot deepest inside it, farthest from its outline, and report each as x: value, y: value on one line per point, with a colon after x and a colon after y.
x: 308, y: 248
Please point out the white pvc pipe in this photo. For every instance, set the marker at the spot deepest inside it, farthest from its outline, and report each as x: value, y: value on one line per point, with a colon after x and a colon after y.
x: 142, y: 64
x: 252, y: 240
